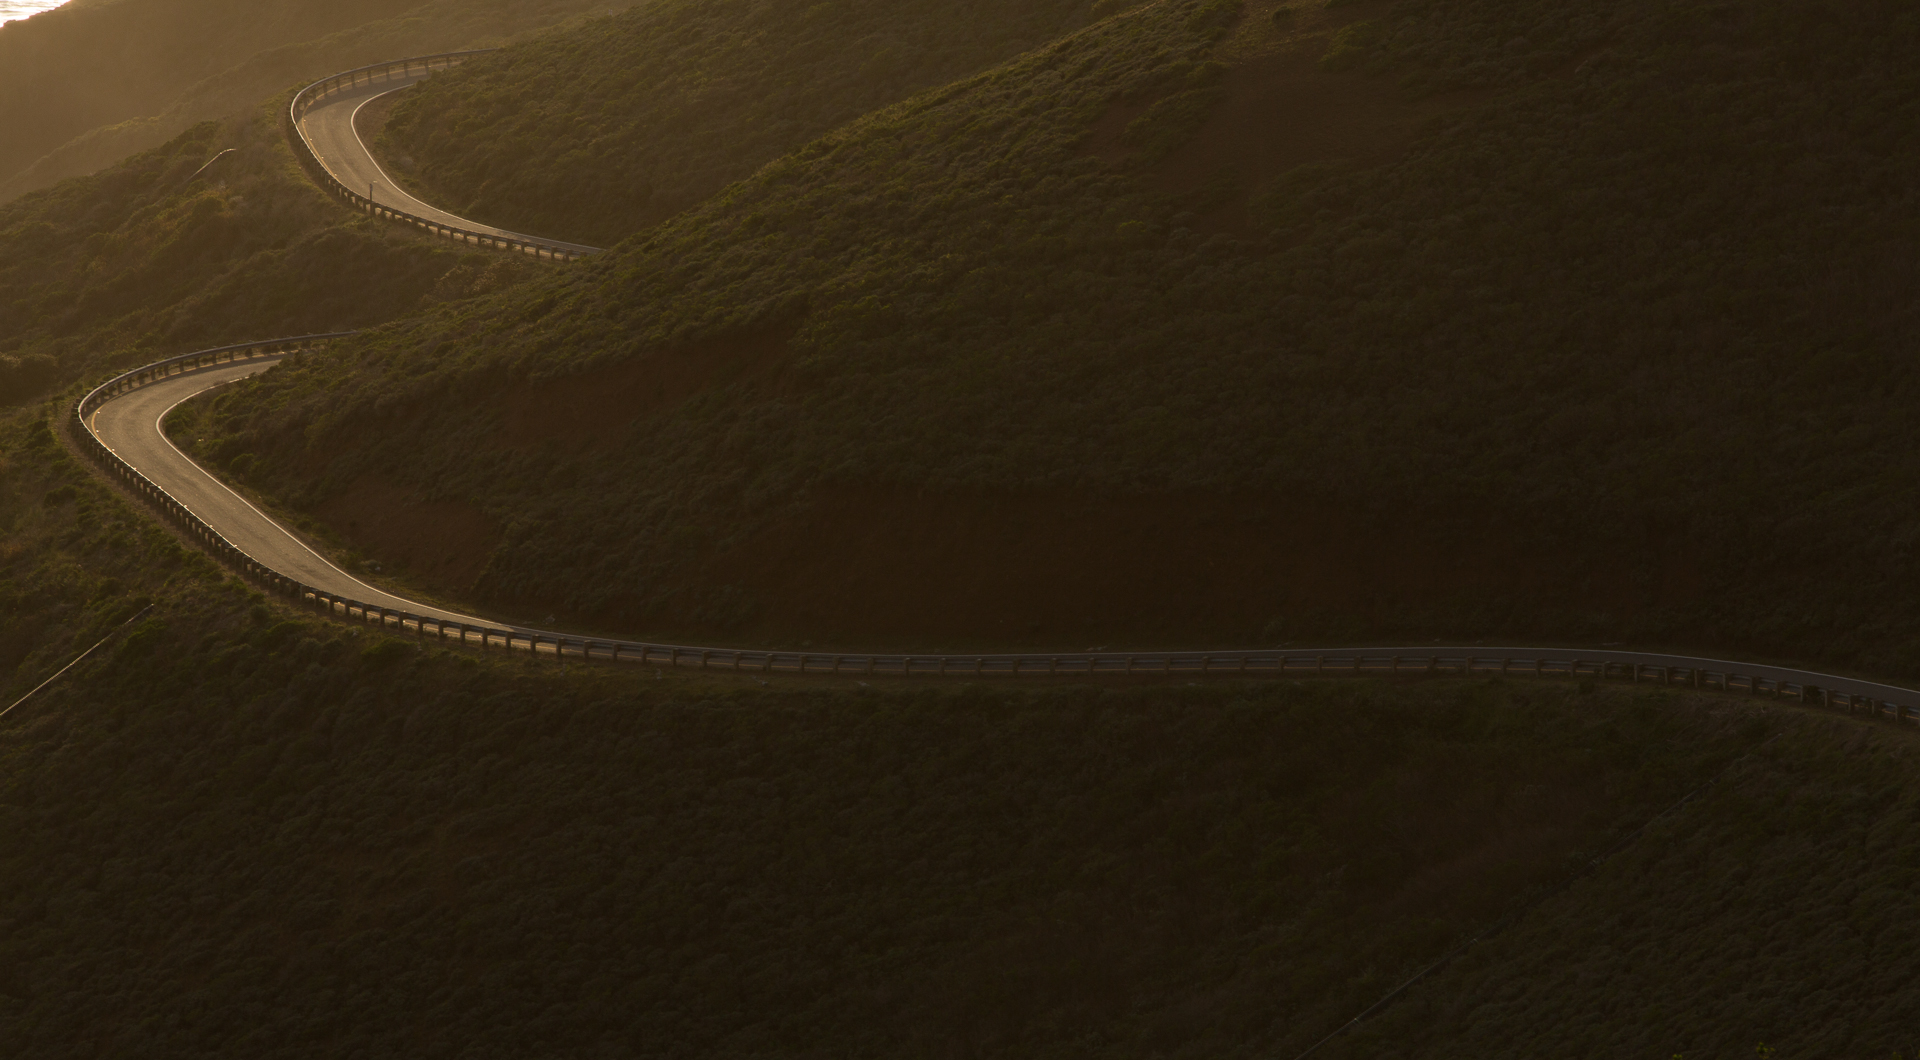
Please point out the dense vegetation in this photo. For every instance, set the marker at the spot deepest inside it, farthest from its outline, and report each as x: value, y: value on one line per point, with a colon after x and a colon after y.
x: 1619, y: 352
x: 246, y: 831
x: 599, y: 132
x: 146, y: 259
x: 85, y: 85
x: 360, y: 846
x: 1695, y: 943
x: 355, y: 843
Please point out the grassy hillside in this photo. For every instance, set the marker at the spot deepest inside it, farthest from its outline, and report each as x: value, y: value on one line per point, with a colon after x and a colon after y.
x: 597, y: 133
x: 357, y: 845
x: 146, y: 259
x: 1695, y: 942
x: 309, y: 822
x: 84, y: 86
x: 1525, y: 320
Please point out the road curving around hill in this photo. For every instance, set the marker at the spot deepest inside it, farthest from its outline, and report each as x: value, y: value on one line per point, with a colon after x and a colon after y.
x: 129, y: 428
x: 327, y: 127
x: 121, y: 424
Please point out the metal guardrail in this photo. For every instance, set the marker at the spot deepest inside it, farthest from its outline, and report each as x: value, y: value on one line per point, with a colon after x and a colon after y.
x: 179, y: 514
x: 308, y: 97
x: 1842, y: 693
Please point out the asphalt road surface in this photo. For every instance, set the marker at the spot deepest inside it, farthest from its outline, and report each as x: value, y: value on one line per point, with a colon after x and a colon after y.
x: 130, y: 425
x: 329, y: 128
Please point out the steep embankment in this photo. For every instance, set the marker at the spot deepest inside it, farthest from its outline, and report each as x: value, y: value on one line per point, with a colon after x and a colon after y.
x: 1610, y: 343
x: 146, y: 259
x: 84, y: 86
x: 360, y: 845
x: 593, y: 134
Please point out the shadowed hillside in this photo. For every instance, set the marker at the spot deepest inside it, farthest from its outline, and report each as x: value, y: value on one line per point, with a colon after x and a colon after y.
x: 1211, y: 321
x: 1696, y: 941
x: 284, y: 812
x: 599, y: 132
x: 362, y: 844
x: 86, y: 85
x: 1598, y: 328
x: 186, y: 247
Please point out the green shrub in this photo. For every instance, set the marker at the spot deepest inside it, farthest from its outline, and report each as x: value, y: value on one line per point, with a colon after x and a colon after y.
x: 1351, y: 45
x: 1171, y: 122
x: 385, y: 652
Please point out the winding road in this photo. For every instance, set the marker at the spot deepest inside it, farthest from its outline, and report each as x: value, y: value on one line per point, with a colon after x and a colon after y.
x: 130, y: 427
x: 125, y: 418
x: 330, y: 131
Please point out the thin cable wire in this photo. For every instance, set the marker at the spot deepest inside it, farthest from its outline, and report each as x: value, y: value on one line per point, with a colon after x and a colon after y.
x: 78, y: 661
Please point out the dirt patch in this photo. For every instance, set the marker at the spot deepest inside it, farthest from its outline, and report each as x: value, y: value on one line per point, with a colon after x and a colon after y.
x: 1052, y: 571
x: 595, y: 408
x: 440, y: 544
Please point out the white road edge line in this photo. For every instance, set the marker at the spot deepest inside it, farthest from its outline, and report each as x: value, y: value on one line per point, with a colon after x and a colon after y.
x: 159, y: 427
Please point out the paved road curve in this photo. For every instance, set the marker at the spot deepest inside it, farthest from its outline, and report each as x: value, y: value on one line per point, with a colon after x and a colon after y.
x: 130, y: 426
x: 329, y: 127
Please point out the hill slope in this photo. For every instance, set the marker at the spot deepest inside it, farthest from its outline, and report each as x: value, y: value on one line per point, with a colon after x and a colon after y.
x: 594, y: 134
x: 173, y: 63
x: 272, y: 808
x: 147, y: 259
x: 361, y: 844
x: 1607, y: 341
x: 1694, y: 942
